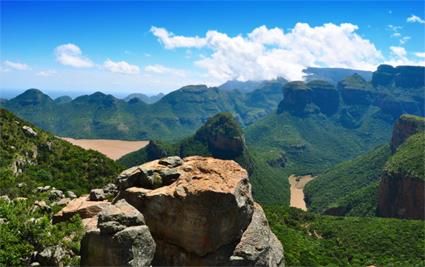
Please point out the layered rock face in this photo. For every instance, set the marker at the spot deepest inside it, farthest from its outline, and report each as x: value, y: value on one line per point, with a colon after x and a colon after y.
x: 401, y: 197
x: 401, y: 190
x: 401, y: 76
x: 405, y: 126
x: 121, y: 238
x: 201, y: 212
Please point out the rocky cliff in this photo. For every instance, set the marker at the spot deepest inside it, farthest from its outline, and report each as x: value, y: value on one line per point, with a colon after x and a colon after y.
x: 406, y: 126
x: 401, y: 190
x: 185, y: 212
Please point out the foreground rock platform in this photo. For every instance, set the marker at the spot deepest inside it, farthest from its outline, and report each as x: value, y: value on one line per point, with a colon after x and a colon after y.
x: 201, y: 212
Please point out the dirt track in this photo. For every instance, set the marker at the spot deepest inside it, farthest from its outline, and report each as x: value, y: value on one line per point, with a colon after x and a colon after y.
x: 297, y: 190
x: 113, y: 149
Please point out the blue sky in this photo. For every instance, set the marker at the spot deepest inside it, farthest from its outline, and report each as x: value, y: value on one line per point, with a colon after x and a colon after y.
x: 150, y: 47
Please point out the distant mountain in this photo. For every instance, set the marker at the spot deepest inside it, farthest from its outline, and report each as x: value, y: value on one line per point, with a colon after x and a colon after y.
x: 333, y: 75
x: 174, y: 116
x: 247, y: 86
x: 63, y: 99
x: 318, y: 125
x: 145, y: 98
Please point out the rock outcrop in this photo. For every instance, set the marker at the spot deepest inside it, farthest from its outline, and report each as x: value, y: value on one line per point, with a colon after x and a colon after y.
x: 121, y: 238
x: 204, y: 215
x: 401, y: 76
x: 401, y: 190
x: 406, y: 126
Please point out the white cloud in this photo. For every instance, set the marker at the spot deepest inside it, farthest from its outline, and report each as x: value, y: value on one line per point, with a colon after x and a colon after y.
x: 404, y: 39
x: 170, y: 41
x: 267, y: 53
x: 399, y: 57
x: 420, y: 54
x: 121, y: 67
x: 46, y: 73
x: 415, y: 19
x: 160, y: 69
x: 398, y: 51
x: 71, y: 55
x: 16, y: 65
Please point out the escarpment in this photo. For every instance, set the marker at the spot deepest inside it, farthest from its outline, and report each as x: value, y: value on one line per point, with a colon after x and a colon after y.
x: 401, y: 190
x: 186, y: 212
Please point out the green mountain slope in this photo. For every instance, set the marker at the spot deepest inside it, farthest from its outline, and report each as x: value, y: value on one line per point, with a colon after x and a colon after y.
x: 315, y: 240
x: 349, y: 188
x: 174, y: 116
x: 32, y: 156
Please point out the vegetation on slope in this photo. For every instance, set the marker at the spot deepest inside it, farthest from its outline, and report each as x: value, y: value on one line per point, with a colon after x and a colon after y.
x: 43, y: 159
x: 316, y: 240
x: 174, y: 116
x: 29, y: 158
x: 25, y: 229
x: 409, y: 158
x: 344, y: 185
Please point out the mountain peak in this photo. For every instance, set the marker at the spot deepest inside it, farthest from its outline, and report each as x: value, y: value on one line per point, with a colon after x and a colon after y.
x: 32, y: 97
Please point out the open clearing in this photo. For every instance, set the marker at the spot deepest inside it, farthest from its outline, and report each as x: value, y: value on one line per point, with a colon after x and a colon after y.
x: 113, y: 149
x: 297, y: 190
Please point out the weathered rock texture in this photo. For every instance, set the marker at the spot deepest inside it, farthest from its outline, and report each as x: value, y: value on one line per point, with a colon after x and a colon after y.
x: 401, y: 197
x: 120, y: 239
x: 201, y: 212
x: 406, y: 126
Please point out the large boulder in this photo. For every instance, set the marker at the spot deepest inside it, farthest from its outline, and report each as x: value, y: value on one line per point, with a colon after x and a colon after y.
x: 82, y: 206
x: 205, y: 216
x: 209, y: 205
x: 120, y: 239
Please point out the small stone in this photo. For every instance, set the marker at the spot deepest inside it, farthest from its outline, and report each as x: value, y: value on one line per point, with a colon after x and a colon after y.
x: 42, y: 205
x: 55, y: 195
x: 172, y: 162
x: 71, y: 194
x: 20, y: 185
x: 63, y: 201
x: 5, y: 198
x: 29, y: 131
x: 97, y: 195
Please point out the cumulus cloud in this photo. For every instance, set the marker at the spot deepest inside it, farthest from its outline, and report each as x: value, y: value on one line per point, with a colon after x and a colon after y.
x: 71, y: 55
x: 420, y: 54
x: 16, y: 65
x: 268, y: 53
x: 398, y: 51
x: 121, y: 67
x: 46, y: 73
x: 160, y: 69
x: 415, y: 19
x: 170, y: 41
x: 399, y: 57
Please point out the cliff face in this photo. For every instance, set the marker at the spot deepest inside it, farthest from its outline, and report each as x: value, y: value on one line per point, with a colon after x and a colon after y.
x: 401, y: 190
x: 401, y: 197
x: 405, y: 126
x: 401, y: 76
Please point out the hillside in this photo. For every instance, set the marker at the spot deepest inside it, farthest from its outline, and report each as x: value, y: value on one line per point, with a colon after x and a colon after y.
x: 352, y: 187
x: 32, y: 157
x: 315, y: 240
x: 176, y: 115
x: 222, y: 137
x: 40, y: 173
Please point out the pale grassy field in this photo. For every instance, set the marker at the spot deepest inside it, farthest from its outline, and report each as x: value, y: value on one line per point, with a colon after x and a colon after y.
x: 113, y: 149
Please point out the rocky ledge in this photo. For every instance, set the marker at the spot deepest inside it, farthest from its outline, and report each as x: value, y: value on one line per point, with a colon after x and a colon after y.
x: 173, y: 211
